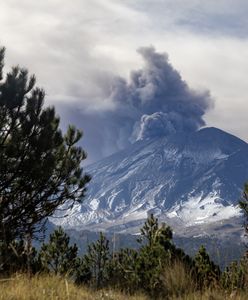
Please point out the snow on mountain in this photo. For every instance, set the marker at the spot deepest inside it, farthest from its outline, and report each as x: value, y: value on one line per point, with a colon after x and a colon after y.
x: 193, y: 178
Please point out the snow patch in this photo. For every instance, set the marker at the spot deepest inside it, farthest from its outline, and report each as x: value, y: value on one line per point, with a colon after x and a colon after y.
x: 94, y: 204
x: 199, y: 210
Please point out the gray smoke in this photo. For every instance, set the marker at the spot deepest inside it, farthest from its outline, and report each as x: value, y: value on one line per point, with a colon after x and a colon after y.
x: 161, y: 124
x: 154, y: 102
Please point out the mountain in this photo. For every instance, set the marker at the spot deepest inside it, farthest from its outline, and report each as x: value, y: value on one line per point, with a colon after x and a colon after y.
x: 185, y: 179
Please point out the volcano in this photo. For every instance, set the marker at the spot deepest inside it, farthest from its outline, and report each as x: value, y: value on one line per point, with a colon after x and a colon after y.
x: 194, y: 178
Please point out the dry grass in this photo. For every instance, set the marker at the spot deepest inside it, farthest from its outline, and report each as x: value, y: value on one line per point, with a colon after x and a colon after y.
x: 40, y: 287
x: 178, y: 280
x: 180, y: 285
x: 213, y: 295
x: 52, y: 288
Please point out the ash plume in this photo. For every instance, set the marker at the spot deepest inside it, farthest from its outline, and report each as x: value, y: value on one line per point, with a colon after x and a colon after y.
x: 157, y: 101
x: 154, y: 102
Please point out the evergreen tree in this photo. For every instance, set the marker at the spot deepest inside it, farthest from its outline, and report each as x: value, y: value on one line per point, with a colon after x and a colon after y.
x: 154, y: 254
x: 124, y: 270
x: 83, y: 272
x: 17, y: 259
x: 98, y: 257
x: 40, y: 168
x: 207, y: 273
x: 153, y: 234
x: 58, y: 256
x: 244, y: 206
x: 235, y: 276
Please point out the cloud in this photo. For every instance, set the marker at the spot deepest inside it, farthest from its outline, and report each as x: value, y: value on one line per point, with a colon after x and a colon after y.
x: 78, y: 49
x: 220, y: 18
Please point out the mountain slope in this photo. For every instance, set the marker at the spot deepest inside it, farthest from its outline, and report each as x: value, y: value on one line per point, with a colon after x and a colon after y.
x: 191, y: 179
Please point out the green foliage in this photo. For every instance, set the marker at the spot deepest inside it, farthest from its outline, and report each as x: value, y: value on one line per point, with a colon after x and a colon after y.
x: 244, y: 205
x: 40, y: 168
x: 15, y: 257
x: 124, y: 272
x: 154, y: 254
x: 82, y: 273
x: 58, y: 256
x: 207, y: 273
x: 154, y: 235
x: 98, y: 258
x: 157, y: 268
x: 236, y: 275
x: 145, y: 269
x: 244, y: 202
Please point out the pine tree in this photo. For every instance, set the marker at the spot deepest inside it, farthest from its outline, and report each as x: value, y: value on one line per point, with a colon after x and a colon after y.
x: 16, y: 258
x: 58, y: 256
x: 155, y: 254
x: 244, y: 206
x: 83, y: 272
x: 98, y: 256
x: 40, y: 168
x: 124, y: 270
x: 207, y: 273
x: 153, y: 234
x: 235, y: 275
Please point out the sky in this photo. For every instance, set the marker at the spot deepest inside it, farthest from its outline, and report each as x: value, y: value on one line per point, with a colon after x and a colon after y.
x: 124, y: 70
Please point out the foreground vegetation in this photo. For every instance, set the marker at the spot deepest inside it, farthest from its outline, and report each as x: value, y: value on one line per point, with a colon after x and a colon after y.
x: 23, y: 287
x: 156, y: 270
x: 44, y: 287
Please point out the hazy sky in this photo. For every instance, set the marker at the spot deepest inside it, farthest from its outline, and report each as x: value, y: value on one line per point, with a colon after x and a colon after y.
x: 79, y: 48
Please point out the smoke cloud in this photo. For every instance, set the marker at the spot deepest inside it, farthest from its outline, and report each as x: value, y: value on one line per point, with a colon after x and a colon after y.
x: 154, y: 102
